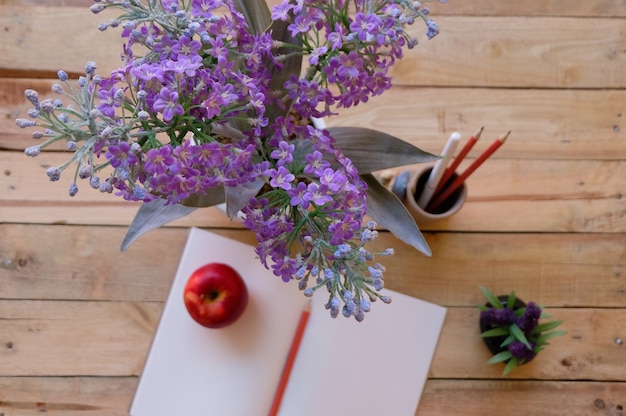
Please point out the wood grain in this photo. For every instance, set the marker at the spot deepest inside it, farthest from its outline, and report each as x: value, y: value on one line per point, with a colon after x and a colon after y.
x: 111, y: 396
x: 518, y: 52
x: 600, y: 8
x: 555, y: 270
x: 502, y: 397
x: 115, y: 337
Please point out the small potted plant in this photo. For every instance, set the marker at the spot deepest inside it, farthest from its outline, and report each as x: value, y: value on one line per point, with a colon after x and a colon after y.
x: 512, y: 331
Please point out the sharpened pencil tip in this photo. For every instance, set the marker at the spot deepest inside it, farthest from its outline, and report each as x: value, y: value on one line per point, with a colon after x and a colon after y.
x: 476, y: 135
x: 505, y: 136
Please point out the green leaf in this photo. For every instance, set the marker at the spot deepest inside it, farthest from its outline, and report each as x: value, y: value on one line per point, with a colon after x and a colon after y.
x: 519, y: 335
x: 152, y: 215
x: 238, y: 196
x: 257, y: 14
x: 491, y: 298
x: 494, y: 332
x: 543, y: 338
x: 507, y: 341
x: 372, y: 150
x: 500, y: 357
x: 511, y: 300
x: 390, y: 213
x: 509, y: 366
x: 546, y: 326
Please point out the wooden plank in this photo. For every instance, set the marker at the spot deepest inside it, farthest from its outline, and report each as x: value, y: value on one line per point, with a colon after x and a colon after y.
x: 589, y: 347
x: 606, y: 8
x: 555, y: 270
x: 518, y: 51
x: 38, y: 41
x: 496, y: 398
x: 66, y: 396
x: 546, y: 124
x: 115, y: 337
x: 111, y: 396
x: 75, y: 338
x: 576, y: 56
x: 504, y: 195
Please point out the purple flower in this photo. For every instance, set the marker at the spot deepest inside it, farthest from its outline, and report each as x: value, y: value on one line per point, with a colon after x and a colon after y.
x: 498, y: 317
x: 159, y: 160
x: 168, y: 104
x: 284, y: 153
x: 148, y: 72
x: 317, y: 194
x: 121, y: 156
x: 529, y: 320
x: 521, y: 351
x: 281, y: 178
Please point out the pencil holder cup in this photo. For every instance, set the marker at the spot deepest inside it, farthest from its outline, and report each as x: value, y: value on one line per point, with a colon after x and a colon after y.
x: 448, y: 207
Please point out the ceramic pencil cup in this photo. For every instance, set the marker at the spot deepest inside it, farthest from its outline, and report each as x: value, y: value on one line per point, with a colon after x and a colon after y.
x: 445, y: 209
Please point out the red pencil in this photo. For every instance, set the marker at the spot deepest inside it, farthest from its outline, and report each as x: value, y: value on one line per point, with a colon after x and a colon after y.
x: 471, y: 168
x: 457, y: 160
x: 291, y: 358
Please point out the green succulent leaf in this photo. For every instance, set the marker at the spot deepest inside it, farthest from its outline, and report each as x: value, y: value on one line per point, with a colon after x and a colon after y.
x: 153, y: 215
x: 500, y: 357
x: 494, y: 332
x: 511, y: 300
x: 507, y: 341
x: 372, y: 150
x: 491, y: 298
x: 546, y: 326
x: 390, y: 213
x: 509, y: 367
x: 543, y: 338
x: 519, y: 335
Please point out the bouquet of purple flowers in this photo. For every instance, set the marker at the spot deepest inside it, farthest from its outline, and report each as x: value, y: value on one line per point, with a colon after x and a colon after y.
x: 219, y: 101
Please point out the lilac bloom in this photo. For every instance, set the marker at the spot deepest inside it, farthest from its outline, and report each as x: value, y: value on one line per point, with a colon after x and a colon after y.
x: 281, y: 178
x: 317, y: 194
x: 332, y: 179
x: 148, y: 72
x: 120, y: 155
x: 284, y: 153
x: 297, y: 195
x: 186, y: 46
x: 159, y: 160
x: 350, y: 65
x: 281, y: 11
x: 315, y: 162
x: 168, y: 104
x: 365, y: 26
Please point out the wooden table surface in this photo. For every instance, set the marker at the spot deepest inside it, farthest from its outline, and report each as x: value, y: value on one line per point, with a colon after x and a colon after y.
x: 546, y: 216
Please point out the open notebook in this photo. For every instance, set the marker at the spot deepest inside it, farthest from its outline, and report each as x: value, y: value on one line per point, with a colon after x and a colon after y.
x: 343, y: 367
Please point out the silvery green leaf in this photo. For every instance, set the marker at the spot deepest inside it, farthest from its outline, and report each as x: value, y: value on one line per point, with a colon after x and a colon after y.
x: 237, y: 197
x: 152, y: 215
x: 390, y: 213
x: 257, y: 14
x: 372, y: 150
x: 212, y: 196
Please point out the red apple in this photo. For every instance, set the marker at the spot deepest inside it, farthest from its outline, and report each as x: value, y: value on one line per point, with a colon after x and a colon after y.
x: 215, y: 295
